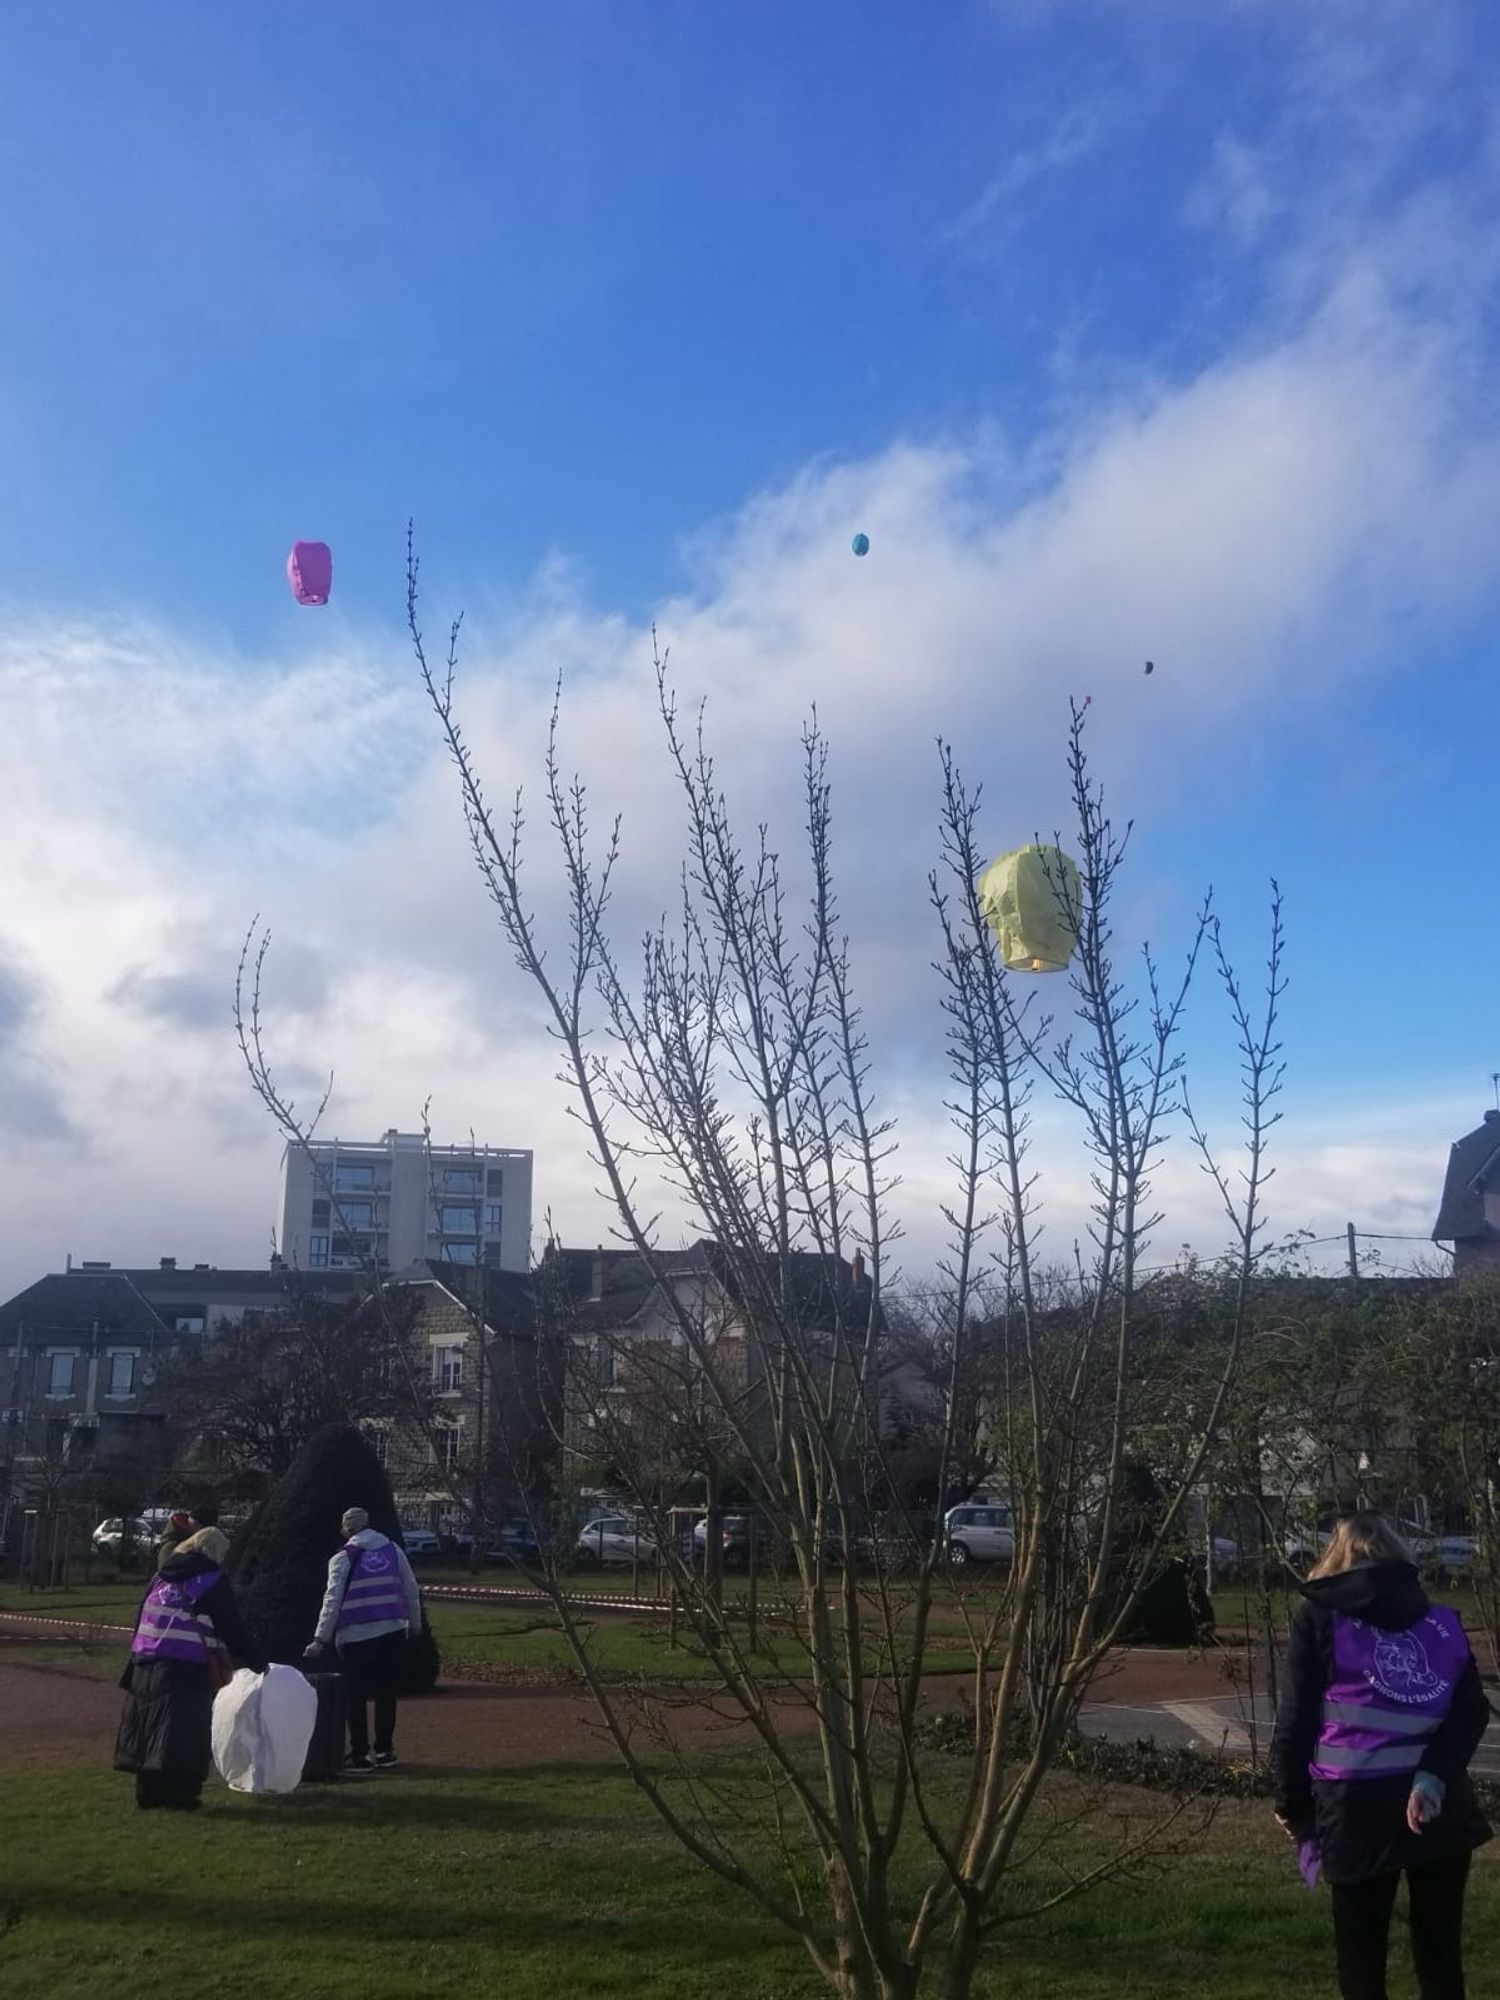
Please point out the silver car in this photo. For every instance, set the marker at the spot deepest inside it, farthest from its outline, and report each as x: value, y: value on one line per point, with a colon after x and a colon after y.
x: 612, y: 1539
x: 980, y: 1531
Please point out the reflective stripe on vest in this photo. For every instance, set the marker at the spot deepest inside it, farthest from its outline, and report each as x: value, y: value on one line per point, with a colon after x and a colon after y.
x: 169, y: 1627
x: 1387, y: 1694
x: 373, y: 1593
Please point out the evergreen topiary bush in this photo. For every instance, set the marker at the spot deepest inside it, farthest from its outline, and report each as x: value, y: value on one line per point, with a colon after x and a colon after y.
x: 280, y: 1568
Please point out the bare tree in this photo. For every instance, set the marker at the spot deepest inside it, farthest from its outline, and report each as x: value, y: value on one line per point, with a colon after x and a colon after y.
x: 733, y: 1067
x: 251, y: 1392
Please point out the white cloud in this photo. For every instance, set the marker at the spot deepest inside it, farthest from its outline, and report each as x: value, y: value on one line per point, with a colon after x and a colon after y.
x: 1073, y: 137
x: 1265, y: 532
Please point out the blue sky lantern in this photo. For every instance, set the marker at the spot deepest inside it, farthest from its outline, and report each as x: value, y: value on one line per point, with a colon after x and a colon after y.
x: 309, y: 570
x: 861, y: 545
x: 1032, y: 902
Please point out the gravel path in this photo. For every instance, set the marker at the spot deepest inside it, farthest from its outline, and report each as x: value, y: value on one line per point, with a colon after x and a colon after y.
x: 62, y: 1712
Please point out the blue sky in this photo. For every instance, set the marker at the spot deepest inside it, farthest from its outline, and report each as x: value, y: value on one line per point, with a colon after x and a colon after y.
x: 1127, y: 331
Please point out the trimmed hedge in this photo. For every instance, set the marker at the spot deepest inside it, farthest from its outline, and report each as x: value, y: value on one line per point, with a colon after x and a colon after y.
x: 280, y: 1565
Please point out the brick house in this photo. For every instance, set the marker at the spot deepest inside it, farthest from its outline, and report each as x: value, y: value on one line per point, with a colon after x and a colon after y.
x: 483, y: 1431
x: 617, y: 1325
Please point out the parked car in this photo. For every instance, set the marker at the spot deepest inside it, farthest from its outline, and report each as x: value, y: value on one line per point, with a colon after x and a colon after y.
x: 107, y: 1537
x: 614, y: 1540
x: 1442, y: 1555
x: 974, y: 1533
x: 1227, y: 1559
x: 736, y: 1532
x: 420, y: 1543
x: 518, y: 1542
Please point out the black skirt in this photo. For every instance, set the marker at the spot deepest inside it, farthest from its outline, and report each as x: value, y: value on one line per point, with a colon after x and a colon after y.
x: 165, y: 1724
x: 1361, y: 1826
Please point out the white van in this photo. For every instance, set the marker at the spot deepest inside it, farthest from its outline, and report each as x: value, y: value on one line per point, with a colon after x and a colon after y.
x: 980, y: 1531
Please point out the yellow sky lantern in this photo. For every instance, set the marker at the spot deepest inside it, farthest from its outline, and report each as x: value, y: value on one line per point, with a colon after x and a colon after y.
x: 1031, y: 900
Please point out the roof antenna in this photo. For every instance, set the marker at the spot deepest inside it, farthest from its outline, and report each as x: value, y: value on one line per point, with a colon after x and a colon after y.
x: 1495, y: 1080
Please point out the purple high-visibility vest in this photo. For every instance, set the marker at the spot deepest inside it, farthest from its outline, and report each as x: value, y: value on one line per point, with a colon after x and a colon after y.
x: 374, y: 1593
x: 169, y: 1627
x: 1388, y: 1693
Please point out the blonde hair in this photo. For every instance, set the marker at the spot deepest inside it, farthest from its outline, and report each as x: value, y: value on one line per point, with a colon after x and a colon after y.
x: 1360, y: 1538
x: 210, y: 1542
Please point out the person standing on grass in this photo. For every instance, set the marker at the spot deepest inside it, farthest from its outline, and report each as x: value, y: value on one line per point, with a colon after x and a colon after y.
x: 187, y: 1633
x: 370, y: 1605
x: 1382, y: 1709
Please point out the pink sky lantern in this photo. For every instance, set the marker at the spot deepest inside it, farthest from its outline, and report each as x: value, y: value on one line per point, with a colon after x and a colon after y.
x: 309, y: 570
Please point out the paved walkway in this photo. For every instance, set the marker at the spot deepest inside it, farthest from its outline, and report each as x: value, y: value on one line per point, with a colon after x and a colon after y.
x: 1222, y: 1723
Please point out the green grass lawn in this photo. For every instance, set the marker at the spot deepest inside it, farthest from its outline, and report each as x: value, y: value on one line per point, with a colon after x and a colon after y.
x: 555, y: 1882
x: 520, y: 1639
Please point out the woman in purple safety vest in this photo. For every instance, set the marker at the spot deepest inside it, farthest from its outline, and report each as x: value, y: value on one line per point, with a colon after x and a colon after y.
x: 1382, y: 1708
x: 187, y: 1631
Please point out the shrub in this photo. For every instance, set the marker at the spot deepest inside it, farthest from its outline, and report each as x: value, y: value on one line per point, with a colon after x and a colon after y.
x: 281, y: 1566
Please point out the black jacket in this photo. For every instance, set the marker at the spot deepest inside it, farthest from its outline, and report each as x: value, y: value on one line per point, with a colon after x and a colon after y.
x: 1361, y: 1822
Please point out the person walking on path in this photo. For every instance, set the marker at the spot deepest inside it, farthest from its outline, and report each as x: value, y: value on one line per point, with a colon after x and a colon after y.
x: 188, y: 1631
x: 1381, y: 1712
x: 370, y: 1605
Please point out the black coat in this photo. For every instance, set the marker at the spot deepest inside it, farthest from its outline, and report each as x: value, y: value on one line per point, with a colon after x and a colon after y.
x: 1361, y: 1822
x: 165, y: 1723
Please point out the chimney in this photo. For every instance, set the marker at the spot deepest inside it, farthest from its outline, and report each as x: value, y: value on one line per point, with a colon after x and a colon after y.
x: 596, y: 1281
x: 203, y: 1267
x: 169, y: 1263
x: 857, y: 1269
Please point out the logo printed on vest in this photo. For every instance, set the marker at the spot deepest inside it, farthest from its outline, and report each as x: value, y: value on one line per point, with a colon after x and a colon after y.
x: 1401, y: 1670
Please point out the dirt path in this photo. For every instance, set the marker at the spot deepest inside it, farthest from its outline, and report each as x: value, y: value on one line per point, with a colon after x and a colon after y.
x: 61, y: 1713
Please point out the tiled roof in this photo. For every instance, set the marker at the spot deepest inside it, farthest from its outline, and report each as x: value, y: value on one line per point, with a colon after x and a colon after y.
x: 1472, y: 1164
x: 74, y: 1304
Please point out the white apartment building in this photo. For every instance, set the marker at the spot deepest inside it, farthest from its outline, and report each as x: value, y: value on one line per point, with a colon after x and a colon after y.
x: 398, y: 1200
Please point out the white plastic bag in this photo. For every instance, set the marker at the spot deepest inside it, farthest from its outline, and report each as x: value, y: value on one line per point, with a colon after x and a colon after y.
x: 262, y: 1726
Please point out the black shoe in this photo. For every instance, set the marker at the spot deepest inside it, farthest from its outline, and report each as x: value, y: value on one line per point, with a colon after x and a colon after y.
x: 386, y: 1760
x: 357, y: 1767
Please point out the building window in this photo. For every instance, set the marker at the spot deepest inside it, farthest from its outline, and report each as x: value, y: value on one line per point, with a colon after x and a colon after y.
x: 492, y: 1218
x: 494, y: 1255
x: 447, y: 1444
x: 379, y: 1439
x: 60, y: 1373
x: 189, y: 1319
x: 494, y: 1181
x: 447, y: 1369
x: 457, y: 1221
x: 461, y: 1253
x: 121, y: 1375
x: 350, y: 1179
x: 317, y: 1252
x: 356, y: 1214
x: 463, y: 1180
x: 321, y: 1214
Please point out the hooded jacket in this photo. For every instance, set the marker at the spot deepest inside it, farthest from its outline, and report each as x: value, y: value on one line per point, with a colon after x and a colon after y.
x: 1361, y: 1822
x: 338, y: 1583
